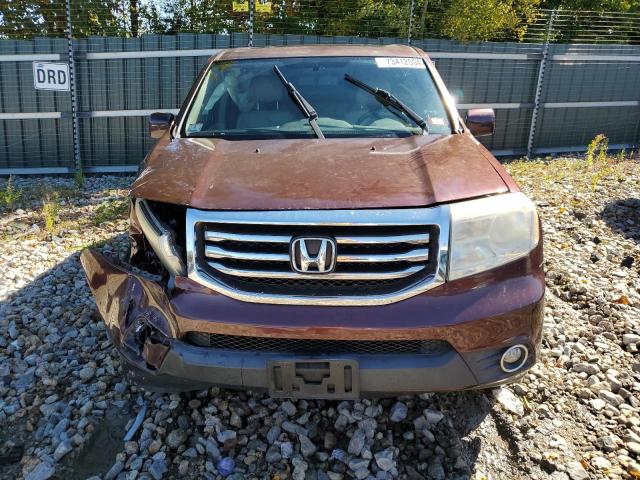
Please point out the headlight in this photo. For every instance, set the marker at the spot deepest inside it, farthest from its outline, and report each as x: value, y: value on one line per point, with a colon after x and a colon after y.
x: 490, y: 232
x: 161, y: 238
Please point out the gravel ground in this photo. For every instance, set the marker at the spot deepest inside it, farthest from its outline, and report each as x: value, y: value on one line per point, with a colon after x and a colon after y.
x: 65, y: 408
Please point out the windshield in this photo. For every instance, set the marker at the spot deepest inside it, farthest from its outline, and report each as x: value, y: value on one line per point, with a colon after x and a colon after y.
x: 245, y: 99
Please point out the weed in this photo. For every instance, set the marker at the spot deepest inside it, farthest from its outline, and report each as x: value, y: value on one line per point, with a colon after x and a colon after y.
x: 9, y: 195
x: 51, y: 211
x: 110, y: 211
x: 79, y: 179
x: 597, y: 149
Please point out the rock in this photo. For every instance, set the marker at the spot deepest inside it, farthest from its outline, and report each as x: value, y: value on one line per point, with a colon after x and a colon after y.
x: 398, y: 412
x: 611, y: 398
x: 87, y: 373
x: 630, y: 339
x: 273, y: 454
x: 42, y: 471
x: 432, y: 416
x: 306, y: 446
x: 158, y: 468
x: 436, y: 471
x: 588, y: 368
x: 509, y: 401
x: 601, y: 463
x: 62, y: 450
x: 633, y: 447
x: 273, y: 434
x: 183, y: 468
x: 213, y: 452
x: 356, y: 444
x: 286, y: 449
x: 330, y: 441
x: 576, y: 471
x: 384, y: 459
x: 299, y: 470
x: 176, y: 438
x: 114, y: 471
x: 289, y: 408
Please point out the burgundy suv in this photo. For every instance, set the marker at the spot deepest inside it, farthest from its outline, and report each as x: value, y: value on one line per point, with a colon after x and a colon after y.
x: 319, y: 222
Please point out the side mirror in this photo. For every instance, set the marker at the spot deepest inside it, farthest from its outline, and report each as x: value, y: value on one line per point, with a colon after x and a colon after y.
x: 159, y: 123
x: 481, y: 121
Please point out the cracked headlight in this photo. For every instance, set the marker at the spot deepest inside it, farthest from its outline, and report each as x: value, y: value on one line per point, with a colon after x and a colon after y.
x: 490, y: 232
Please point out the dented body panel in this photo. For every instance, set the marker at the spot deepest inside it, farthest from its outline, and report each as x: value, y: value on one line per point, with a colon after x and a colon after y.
x: 177, y: 332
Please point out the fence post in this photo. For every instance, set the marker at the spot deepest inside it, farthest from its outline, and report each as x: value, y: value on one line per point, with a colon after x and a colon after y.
x: 72, y: 85
x: 536, y: 102
x: 252, y: 6
x: 411, y: 5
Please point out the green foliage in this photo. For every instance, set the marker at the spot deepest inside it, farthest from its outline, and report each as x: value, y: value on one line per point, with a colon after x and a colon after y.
x: 597, y: 149
x: 468, y: 20
x: 110, y: 211
x: 31, y: 18
x: 51, y: 211
x: 9, y: 195
x: 78, y: 178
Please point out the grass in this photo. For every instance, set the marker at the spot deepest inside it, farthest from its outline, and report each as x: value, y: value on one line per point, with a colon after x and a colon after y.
x: 51, y: 212
x: 587, y: 173
x: 110, y: 211
x: 10, y: 195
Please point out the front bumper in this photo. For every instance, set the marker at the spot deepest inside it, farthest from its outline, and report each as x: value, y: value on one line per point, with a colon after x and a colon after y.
x: 478, y: 316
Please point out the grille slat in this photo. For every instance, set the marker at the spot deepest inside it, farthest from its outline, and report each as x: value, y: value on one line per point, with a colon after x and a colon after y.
x: 256, y: 257
x: 287, y: 274
x: 420, y: 238
x: 417, y: 255
x: 316, y: 347
x: 216, y: 252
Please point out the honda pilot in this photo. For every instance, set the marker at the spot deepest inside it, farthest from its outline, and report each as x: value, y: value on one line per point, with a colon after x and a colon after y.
x: 320, y: 222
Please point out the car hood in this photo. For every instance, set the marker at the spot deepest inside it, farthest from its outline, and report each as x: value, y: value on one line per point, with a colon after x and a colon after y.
x: 351, y: 173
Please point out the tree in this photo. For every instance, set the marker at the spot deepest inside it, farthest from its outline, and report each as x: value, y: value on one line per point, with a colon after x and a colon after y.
x: 31, y: 18
x: 469, y: 20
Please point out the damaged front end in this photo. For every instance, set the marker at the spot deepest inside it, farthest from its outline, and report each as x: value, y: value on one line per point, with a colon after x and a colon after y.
x: 133, y: 299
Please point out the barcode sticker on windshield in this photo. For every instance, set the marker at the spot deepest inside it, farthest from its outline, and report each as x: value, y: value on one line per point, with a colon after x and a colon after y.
x: 399, y: 62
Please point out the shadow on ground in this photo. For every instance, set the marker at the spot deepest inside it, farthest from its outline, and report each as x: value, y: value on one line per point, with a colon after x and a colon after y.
x: 51, y: 331
x: 623, y: 216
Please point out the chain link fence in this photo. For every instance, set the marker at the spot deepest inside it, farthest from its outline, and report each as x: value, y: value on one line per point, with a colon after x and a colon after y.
x: 555, y: 78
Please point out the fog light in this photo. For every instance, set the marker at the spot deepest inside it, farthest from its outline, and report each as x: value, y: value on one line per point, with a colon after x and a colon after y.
x: 514, y: 358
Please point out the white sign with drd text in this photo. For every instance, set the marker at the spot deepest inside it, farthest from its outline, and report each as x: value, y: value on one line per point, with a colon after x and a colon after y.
x: 51, y: 76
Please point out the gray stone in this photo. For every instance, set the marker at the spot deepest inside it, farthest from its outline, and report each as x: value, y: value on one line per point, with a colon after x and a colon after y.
x: 509, y: 401
x: 436, y: 471
x: 42, y: 471
x: 384, y: 459
x: 87, y: 373
x: 306, y: 446
x: 398, y: 412
x: 356, y: 444
x: 289, y: 408
x: 576, y: 471
x: 433, y: 416
x: 62, y: 450
x: 273, y: 434
x: 158, y: 468
x: 114, y: 471
x: 176, y: 438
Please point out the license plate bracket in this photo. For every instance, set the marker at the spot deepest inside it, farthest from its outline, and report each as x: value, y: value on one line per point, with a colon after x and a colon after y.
x: 314, y: 378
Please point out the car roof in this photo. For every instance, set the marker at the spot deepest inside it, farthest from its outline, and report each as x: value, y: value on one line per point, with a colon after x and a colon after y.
x: 319, y: 51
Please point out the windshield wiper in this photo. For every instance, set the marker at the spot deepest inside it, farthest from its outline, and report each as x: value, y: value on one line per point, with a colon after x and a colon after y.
x: 389, y: 99
x: 301, y: 102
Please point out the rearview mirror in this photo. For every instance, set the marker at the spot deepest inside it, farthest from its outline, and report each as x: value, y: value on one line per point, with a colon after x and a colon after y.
x: 159, y: 123
x: 481, y: 121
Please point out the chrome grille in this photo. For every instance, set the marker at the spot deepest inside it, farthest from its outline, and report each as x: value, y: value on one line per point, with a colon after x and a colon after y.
x: 381, y: 255
x: 317, y: 347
